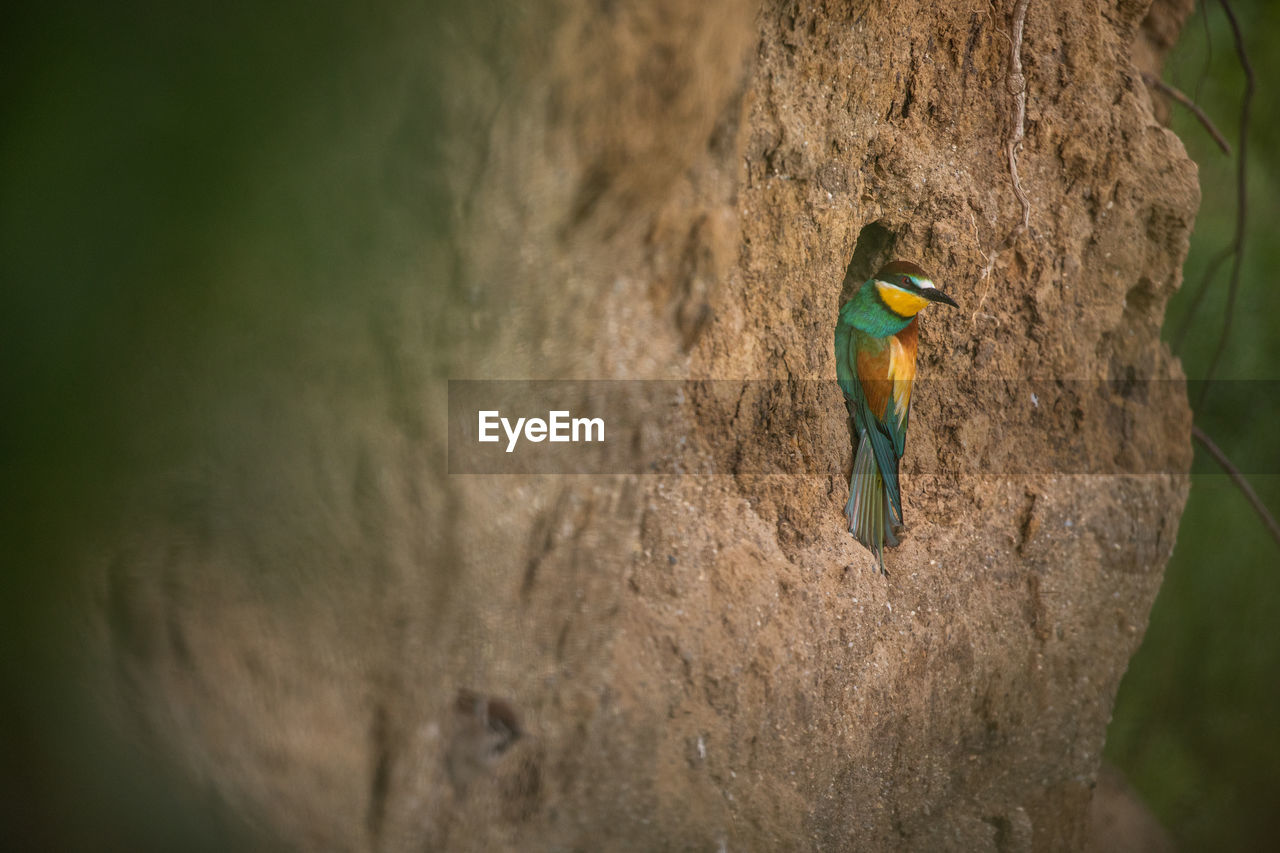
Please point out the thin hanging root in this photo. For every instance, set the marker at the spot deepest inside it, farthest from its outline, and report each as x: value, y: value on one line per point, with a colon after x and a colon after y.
x: 1242, y: 204
x: 1016, y: 84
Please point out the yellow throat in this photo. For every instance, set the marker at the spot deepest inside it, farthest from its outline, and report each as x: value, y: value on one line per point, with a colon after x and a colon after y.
x: 904, y: 303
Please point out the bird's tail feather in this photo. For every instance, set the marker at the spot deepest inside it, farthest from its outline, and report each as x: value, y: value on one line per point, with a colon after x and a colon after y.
x: 868, y: 509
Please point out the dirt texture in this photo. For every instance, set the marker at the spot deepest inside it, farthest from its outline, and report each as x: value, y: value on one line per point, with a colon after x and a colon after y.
x: 668, y: 189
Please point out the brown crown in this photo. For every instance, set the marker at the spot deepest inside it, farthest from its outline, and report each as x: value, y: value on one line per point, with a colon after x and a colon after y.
x: 894, y: 268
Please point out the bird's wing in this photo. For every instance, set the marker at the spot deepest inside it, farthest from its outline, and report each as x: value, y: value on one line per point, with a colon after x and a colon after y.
x: 885, y: 369
x: 902, y: 374
x: 845, y: 355
x: 863, y: 368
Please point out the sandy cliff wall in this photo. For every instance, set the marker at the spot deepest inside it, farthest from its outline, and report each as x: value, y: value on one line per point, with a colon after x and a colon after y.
x: 672, y: 190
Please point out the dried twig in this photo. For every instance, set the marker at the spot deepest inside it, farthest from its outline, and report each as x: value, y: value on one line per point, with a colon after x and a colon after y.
x: 1242, y: 198
x: 1156, y: 83
x: 1241, y: 482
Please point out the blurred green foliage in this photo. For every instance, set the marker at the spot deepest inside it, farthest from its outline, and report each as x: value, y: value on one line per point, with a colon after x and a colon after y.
x: 191, y: 197
x: 1195, y: 726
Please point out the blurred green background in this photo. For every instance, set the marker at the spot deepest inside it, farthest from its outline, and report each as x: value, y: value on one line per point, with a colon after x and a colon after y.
x: 1197, y: 724
x: 188, y: 194
x: 193, y: 197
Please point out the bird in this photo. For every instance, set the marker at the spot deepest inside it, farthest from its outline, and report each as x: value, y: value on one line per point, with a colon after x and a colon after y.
x: 876, y: 339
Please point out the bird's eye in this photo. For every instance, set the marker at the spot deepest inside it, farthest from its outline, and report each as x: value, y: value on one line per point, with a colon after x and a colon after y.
x: 906, y: 280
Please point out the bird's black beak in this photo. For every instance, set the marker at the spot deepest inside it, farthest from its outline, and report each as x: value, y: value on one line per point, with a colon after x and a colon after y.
x: 935, y: 295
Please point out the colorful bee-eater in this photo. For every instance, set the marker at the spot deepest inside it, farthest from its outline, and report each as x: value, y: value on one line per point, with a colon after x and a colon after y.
x: 876, y: 364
